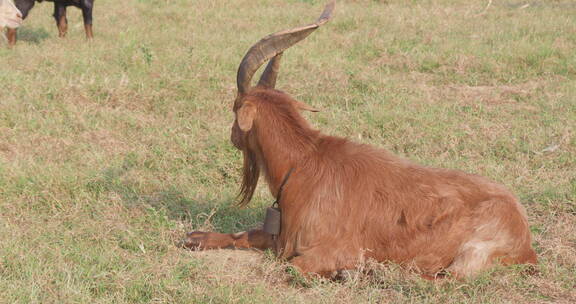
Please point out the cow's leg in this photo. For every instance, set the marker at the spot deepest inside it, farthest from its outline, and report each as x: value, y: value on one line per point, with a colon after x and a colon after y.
x: 11, y: 37
x: 213, y: 240
x: 87, y: 15
x: 60, y: 17
x: 24, y: 7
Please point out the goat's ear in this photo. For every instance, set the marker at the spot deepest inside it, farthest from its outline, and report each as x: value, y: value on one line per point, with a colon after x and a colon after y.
x: 304, y: 107
x: 246, y: 115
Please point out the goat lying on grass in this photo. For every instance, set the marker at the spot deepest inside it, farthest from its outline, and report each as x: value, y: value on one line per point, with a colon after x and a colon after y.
x: 59, y: 15
x: 344, y: 202
x: 10, y: 16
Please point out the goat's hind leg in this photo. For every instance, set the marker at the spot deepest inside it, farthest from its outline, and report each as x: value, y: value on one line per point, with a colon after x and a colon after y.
x: 258, y: 239
x: 501, y: 234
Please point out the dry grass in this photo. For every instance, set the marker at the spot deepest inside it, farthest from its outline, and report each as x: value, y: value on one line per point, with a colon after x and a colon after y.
x: 111, y: 150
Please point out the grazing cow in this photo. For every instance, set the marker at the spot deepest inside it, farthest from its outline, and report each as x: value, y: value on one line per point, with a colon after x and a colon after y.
x: 59, y: 15
x: 10, y: 16
x: 343, y: 202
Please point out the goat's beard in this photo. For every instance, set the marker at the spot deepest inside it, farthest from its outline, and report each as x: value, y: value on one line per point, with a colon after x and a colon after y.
x: 250, y: 175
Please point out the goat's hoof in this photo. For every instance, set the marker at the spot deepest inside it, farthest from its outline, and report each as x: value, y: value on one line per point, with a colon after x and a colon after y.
x: 195, y: 240
x: 345, y: 275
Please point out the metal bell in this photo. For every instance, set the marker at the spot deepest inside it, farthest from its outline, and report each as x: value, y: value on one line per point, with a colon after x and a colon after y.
x: 272, y: 221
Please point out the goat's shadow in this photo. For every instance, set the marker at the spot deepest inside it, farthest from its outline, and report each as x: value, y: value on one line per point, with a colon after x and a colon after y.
x: 34, y: 35
x: 221, y: 215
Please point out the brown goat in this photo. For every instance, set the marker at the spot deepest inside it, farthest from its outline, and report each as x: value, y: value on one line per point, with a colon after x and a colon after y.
x: 345, y: 202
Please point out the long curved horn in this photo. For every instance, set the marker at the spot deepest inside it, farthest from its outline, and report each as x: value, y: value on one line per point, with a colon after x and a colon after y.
x: 268, y: 78
x: 274, y: 44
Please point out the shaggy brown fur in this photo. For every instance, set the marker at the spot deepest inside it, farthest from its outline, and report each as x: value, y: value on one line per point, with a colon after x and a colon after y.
x: 346, y: 202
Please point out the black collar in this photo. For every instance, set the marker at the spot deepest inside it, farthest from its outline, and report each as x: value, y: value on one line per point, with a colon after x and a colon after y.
x: 279, y: 195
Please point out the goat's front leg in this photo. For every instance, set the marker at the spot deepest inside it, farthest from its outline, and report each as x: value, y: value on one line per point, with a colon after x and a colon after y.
x: 332, y: 261
x: 258, y: 239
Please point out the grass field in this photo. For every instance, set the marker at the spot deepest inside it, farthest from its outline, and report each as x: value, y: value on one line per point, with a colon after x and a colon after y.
x: 111, y: 150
